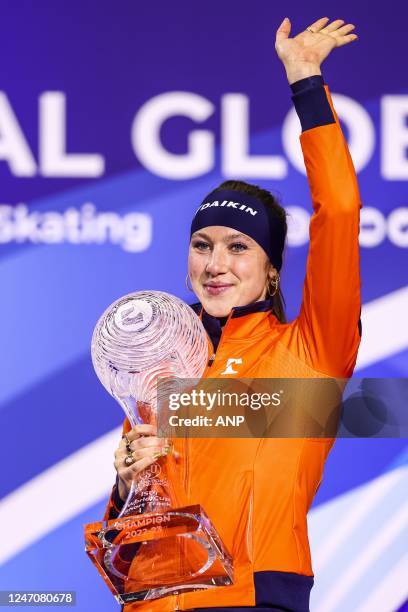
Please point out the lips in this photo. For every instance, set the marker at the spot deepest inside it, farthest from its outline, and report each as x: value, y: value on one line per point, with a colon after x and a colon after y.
x: 216, y: 288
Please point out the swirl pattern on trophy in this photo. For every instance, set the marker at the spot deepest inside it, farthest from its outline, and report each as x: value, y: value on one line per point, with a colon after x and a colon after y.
x: 143, y: 336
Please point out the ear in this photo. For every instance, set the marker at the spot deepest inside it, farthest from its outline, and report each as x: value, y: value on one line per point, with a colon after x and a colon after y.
x: 272, y: 272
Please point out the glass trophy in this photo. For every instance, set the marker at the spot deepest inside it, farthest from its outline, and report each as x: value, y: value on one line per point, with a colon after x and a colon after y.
x: 161, y: 543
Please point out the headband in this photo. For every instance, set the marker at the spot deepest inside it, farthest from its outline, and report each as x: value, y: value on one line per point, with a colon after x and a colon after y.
x: 248, y: 215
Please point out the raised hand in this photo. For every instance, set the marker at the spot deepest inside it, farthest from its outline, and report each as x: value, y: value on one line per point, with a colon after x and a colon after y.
x: 303, y: 55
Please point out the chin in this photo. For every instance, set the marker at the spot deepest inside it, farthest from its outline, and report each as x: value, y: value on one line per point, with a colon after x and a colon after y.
x: 216, y: 309
x: 217, y: 312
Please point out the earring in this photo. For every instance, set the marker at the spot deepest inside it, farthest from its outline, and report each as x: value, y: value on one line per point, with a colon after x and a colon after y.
x: 187, y: 285
x: 273, y: 284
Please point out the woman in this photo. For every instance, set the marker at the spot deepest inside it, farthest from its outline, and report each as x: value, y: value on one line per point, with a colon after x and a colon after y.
x: 258, y: 491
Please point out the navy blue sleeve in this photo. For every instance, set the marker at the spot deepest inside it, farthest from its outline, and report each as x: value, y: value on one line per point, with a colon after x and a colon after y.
x: 117, y: 500
x: 311, y: 103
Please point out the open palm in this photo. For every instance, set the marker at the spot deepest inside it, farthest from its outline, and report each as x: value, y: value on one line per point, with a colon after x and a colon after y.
x: 314, y: 44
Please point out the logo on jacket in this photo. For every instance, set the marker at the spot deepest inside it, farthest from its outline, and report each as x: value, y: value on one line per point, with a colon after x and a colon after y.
x: 229, y: 369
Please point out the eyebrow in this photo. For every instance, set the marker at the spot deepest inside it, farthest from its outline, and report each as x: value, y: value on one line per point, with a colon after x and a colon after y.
x: 228, y: 238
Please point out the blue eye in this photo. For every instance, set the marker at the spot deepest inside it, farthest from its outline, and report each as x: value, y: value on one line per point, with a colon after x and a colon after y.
x: 238, y: 246
x: 200, y: 244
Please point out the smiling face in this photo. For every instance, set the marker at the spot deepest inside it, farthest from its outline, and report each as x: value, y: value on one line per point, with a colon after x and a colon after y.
x: 227, y: 269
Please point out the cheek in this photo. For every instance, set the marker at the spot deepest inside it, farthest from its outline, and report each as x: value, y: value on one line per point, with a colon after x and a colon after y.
x: 252, y: 272
x: 248, y: 269
x: 195, y: 264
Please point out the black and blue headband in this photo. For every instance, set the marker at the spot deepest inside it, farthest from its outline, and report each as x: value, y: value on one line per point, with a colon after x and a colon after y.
x: 246, y: 214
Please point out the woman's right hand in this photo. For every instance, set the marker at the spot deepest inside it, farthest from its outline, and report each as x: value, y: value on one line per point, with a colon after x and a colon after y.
x: 146, y: 449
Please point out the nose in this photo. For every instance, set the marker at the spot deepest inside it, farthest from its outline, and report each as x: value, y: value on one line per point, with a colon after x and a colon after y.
x: 217, y: 262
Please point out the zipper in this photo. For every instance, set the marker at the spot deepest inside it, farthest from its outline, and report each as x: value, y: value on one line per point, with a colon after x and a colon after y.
x: 185, y: 484
x: 210, y: 361
x: 187, y: 474
x: 186, y: 489
x: 212, y: 358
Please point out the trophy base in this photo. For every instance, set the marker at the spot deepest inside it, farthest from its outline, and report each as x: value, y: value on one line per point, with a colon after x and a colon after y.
x: 152, y: 555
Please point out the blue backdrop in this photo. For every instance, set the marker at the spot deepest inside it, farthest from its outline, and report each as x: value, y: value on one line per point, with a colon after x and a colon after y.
x: 115, y: 120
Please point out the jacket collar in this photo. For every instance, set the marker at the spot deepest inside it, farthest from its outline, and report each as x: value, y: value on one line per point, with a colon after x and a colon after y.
x: 238, y: 311
x: 242, y: 322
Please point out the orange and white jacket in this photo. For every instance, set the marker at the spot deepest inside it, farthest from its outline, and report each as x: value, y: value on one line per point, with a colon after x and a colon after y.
x: 257, y: 492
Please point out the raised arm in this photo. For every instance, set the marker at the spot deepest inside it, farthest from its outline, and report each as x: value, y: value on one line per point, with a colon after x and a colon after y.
x: 331, y: 306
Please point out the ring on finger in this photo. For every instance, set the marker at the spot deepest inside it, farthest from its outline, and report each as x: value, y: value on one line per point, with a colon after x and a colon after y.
x: 129, y: 442
x: 126, y: 439
x: 129, y: 459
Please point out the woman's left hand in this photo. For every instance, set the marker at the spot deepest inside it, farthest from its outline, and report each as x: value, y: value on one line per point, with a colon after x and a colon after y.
x: 303, y: 54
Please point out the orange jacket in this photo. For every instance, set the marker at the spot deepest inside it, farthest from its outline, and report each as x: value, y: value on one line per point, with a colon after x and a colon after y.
x: 257, y: 492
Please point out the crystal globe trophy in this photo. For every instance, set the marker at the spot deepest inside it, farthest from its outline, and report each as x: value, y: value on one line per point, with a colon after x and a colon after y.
x: 161, y: 543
